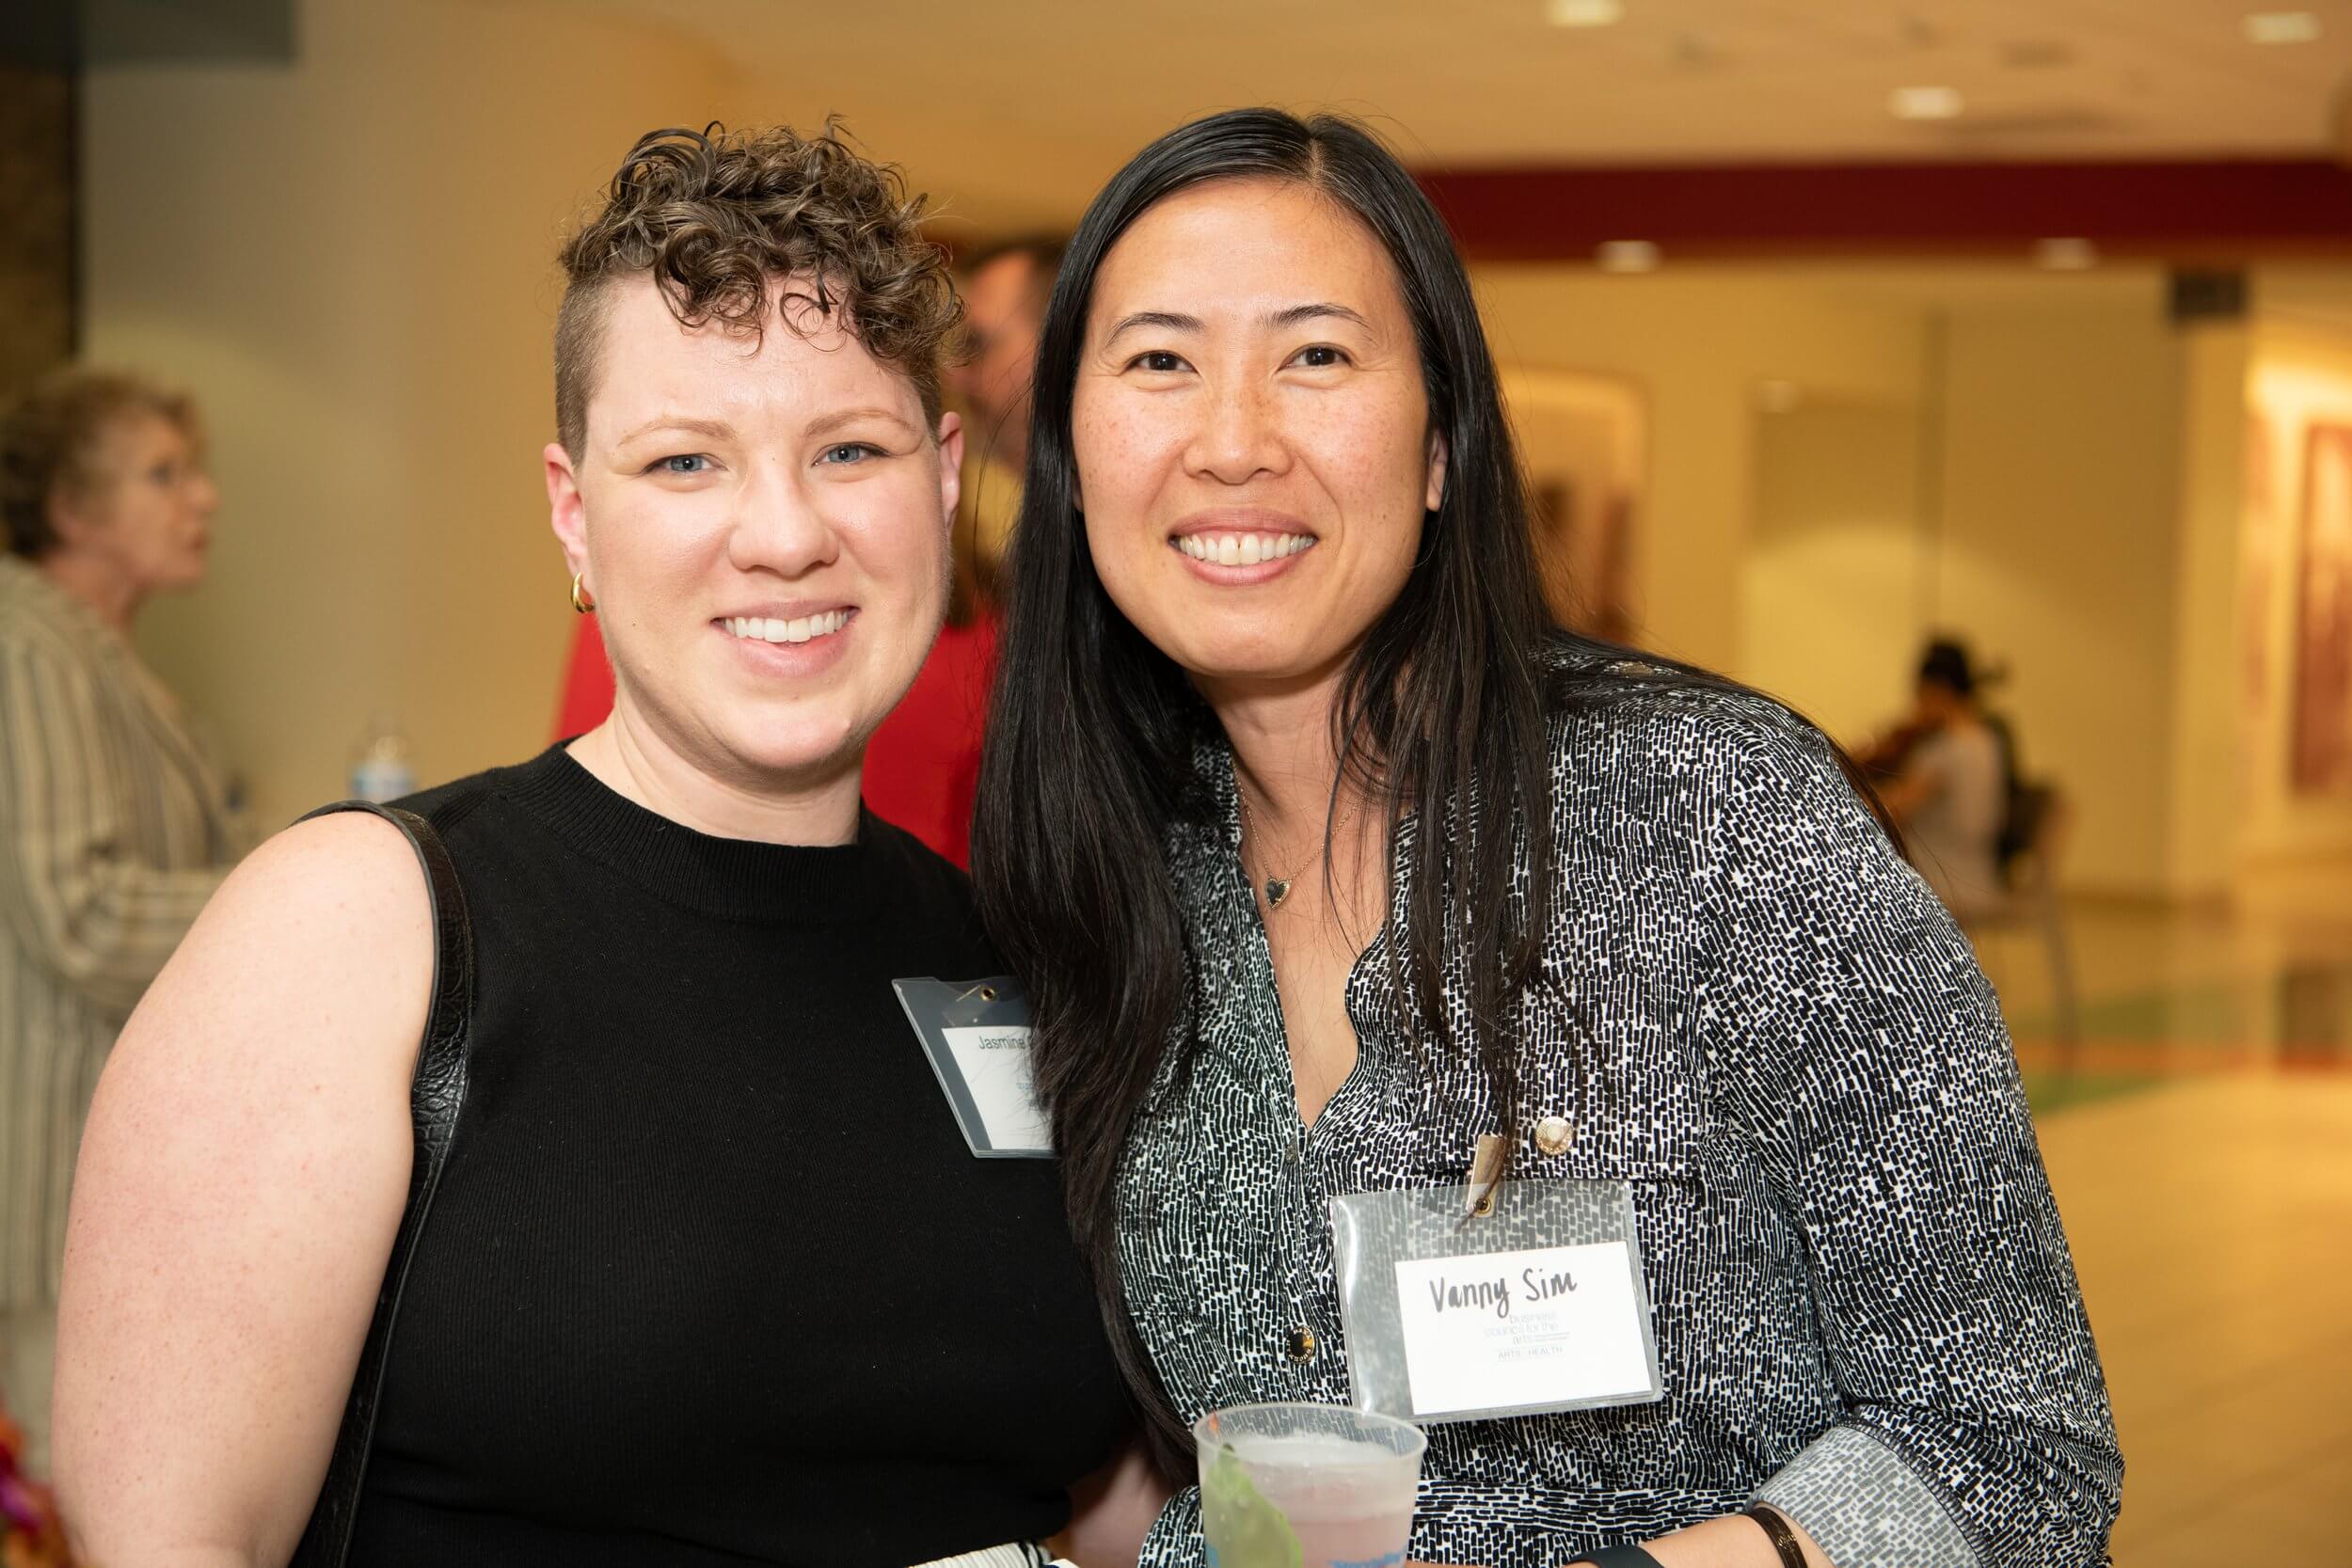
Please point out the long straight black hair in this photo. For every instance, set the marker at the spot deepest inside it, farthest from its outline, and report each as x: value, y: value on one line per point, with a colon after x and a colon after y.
x: 1090, y: 730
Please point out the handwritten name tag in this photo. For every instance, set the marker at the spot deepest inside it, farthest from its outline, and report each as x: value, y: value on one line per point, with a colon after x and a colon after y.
x: 1548, y: 1326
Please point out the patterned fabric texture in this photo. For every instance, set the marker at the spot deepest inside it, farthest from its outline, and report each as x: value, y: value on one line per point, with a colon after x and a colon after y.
x: 1019, y: 1554
x: 1753, y: 1011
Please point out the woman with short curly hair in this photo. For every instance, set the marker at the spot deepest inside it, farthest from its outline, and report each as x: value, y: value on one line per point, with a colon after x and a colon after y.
x: 586, y: 1199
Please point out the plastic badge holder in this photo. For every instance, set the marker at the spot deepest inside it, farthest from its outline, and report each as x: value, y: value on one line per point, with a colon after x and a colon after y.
x: 976, y: 1035
x: 1524, y: 1367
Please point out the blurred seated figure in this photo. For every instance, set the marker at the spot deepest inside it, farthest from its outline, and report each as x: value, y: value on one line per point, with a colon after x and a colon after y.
x: 116, y: 821
x: 1948, y: 770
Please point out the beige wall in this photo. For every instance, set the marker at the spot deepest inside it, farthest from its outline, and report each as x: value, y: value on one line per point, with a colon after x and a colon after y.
x: 2205, y: 846
x: 350, y: 261
x: 2059, y: 554
x: 357, y: 281
x: 1697, y: 343
x: 2096, y: 531
x: 2004, y: 462
x: 1832, y: 582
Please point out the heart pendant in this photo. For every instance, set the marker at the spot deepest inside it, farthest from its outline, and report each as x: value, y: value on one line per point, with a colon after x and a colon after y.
x: 1277, y: 889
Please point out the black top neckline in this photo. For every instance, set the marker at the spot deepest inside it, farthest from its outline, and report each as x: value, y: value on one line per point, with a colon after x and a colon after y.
x: 734, y: 879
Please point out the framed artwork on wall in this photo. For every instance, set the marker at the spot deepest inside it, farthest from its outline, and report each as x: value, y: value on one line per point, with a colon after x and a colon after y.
x: 2323, y: 675
x: 1582, y: 438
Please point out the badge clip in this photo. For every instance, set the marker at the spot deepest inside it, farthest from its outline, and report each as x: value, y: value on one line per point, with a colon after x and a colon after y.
x: 1489, y: 1165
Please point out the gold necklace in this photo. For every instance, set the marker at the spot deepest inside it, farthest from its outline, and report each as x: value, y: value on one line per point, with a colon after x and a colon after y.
x: 1279, y: 888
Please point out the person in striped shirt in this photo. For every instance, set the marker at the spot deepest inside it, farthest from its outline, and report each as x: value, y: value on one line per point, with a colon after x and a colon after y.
x: 116, y: 819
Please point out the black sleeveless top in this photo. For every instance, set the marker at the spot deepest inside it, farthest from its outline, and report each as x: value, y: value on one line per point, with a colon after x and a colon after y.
x: 711, y: 1277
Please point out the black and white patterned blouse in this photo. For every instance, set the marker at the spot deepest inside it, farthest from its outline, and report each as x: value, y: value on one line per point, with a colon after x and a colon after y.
x: 1753, y: 1011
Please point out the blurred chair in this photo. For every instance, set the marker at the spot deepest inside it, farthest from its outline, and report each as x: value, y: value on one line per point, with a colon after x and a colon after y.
x: 2033, y: 904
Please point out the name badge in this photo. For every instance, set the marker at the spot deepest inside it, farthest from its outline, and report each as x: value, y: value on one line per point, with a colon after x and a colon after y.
x: 976, y: 1035
x: 1533, y: 1303
x: 1552, y: 1325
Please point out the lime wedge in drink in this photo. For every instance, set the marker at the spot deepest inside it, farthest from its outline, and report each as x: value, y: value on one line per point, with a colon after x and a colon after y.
x: 1244, y: 1529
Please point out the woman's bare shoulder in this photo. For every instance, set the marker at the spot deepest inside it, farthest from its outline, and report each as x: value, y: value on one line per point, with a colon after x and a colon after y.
x: 319, y: 944
x: 241, y: 1181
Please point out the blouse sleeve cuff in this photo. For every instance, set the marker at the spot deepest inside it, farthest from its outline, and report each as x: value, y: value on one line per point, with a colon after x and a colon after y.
x: 1864, y: 1506
x: 1174, y: 1538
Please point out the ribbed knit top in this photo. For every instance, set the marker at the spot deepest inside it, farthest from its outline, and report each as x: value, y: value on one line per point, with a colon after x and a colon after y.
x: 711, y: 1277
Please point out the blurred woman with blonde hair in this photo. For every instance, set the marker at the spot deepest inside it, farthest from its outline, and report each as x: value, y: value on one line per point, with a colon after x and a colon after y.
x: 115, y: 818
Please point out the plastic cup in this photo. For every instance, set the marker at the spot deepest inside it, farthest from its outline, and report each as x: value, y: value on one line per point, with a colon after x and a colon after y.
x: 1306, y: 1486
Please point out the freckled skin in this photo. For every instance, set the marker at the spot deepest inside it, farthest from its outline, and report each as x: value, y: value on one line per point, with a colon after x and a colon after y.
x: 777, y: 507
x: 1324, y: 420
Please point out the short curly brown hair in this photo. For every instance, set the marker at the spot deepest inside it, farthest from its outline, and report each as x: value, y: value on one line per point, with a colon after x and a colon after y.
x: 48, y: 440
x: 716, y: 215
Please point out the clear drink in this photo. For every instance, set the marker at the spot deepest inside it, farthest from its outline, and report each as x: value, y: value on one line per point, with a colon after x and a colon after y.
x: 1306, y: 1486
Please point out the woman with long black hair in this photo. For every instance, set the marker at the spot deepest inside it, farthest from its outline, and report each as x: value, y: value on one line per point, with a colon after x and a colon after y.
x: 1327, y: 856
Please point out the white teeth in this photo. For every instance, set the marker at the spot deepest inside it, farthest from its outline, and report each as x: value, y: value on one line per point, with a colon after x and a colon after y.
x: 803, y: 629
x: 1243, y: 550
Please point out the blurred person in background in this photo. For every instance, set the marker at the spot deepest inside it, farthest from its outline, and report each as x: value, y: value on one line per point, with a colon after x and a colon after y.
x: 1004, y: 290
x: 117, y: 820
x: 1949, y: 775
x: 665, y: 1246
x: 1328, y: 858
x: 923, y: 766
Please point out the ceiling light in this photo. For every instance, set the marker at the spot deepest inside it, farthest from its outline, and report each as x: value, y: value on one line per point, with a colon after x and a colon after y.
x: 1925, y: 104
x: 2065, y: 255
x: 1584, y: 13
x: 2281, y: 27
x: 1628, y: 255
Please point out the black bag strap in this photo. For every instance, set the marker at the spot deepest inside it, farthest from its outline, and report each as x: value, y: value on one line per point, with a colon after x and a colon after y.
x: 434, y: 1096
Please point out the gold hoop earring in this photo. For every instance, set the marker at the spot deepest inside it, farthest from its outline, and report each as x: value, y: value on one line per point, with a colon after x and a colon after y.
x: 580, y: 605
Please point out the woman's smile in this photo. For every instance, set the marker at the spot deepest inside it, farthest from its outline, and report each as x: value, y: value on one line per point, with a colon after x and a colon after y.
x: 1236, y: 547
x: 795, y: 642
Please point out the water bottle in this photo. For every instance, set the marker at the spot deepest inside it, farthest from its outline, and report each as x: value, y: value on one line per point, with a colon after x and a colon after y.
x: 380, y: 770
